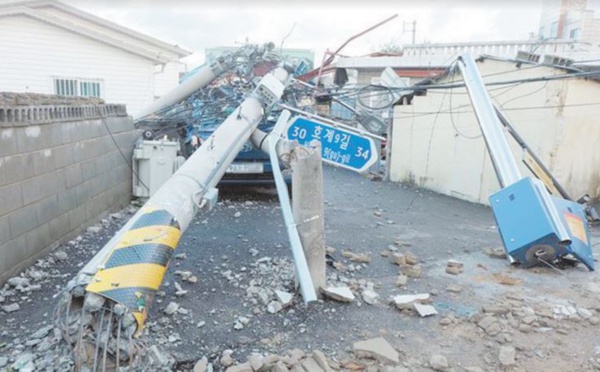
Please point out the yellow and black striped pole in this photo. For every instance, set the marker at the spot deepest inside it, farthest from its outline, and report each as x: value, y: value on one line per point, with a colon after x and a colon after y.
x: 135, y: 268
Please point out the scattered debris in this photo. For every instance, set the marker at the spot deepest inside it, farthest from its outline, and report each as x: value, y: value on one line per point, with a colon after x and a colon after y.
x: 343, y: 294
x: 401, y: 280
x: 376, y: 348
x: 506, y: 356
x: 424, y: 310
x: 370, y: 296
x: 412, y: 271
x: 94, y: 229
x: 11, y: 308
x: 454, y: 288
x: 505, y: 279
x: 407, y: 301
x: 284, y: 297
x: 496, y: 252
x: 454, y: 267
x: 356, y: 257
x: 171, y: 308
x: 438, y: 362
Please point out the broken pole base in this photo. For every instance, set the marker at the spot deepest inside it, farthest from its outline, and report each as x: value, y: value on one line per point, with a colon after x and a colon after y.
x: 307, y: 205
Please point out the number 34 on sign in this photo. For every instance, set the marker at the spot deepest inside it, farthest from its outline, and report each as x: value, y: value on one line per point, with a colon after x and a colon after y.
x: 339, y: 146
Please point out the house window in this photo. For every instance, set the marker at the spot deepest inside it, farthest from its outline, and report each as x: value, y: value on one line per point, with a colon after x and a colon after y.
x: 65, y: 87
x: 554, y: 29
x: 78, y: 87
x: 574, y: 34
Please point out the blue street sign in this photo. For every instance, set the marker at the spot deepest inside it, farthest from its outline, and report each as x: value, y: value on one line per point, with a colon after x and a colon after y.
x: 339, y: 146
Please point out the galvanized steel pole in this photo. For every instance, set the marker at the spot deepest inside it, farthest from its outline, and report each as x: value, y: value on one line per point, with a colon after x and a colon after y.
x: 491, y: 127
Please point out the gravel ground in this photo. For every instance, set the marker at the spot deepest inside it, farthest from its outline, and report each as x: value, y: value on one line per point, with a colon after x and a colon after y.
x: 239, y: 255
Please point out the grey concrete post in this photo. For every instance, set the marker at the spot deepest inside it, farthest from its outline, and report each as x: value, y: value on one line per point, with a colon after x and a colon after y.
x: 307, y: 201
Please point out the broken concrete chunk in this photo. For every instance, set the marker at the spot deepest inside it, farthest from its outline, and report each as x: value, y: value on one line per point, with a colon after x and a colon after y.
x: 94, y: 229
x: 402, y: 243
x: 321, y: 360
x: 310, y: 365
x: 284, y: 297
x: 497, y: 252
x: 226, y: 359
x: 18, y: 282
x: 343, y: 294
x: 171, y: 308
x: 399, y: 259
x: 454, y: 263
x: 412, y: 271
x: 506, y: 356
x: 244, y: 367
x: 453, y: 270
x: 498, y: 310
x: 93, y: 302
x: 274, y: 307
x: 370, y: 296
x: 376, y: 348
x: 201, y: 365
x: 61, y: 255
x: 424, y: 310
x: 11, y: 308
x: 356, y: 257
x: 411, y: 259
x: 401, y: 280
x: 406, y: 301
x: 256, y: 361
x: 438, y: 362
x: 454, y: 288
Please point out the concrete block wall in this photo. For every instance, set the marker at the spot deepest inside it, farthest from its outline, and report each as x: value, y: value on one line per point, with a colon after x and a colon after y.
x: 61, y: 168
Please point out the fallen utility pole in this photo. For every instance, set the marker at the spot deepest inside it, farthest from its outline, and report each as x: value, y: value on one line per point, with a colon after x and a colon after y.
x: 100, y: 315
x: 536, y: 227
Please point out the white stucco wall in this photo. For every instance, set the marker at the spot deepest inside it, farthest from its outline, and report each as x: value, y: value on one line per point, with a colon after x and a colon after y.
x: 560, y: 120
x: 34, y: 52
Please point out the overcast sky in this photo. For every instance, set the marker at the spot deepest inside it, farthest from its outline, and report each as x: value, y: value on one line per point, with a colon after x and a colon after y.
x: 318, y: 25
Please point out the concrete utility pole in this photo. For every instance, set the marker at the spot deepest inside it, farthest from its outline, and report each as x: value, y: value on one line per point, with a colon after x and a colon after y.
x: 307, y: 201
x: 112, y: 294
x: 412, y: 30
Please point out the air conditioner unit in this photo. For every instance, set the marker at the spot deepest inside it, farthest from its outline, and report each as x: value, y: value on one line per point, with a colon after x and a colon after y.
x: 527, y: 56
x: 550, y: 59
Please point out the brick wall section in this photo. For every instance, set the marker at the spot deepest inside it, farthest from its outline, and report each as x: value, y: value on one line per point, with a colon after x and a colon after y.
x: 60, y: 171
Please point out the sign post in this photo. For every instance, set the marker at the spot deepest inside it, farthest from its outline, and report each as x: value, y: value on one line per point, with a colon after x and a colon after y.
x: 338, y: 146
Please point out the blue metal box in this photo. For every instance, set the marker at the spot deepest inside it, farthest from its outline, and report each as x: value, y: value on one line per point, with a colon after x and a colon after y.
x: 525, y: 219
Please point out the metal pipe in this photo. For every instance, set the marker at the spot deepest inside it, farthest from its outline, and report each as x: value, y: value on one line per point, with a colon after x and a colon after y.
x: 302, y: 271
x: 500, y: 153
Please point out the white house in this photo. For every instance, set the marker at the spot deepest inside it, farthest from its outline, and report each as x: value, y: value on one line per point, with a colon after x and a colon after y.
x: 49, y: 47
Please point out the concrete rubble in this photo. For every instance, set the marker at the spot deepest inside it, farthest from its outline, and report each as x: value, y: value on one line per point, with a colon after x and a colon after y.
x: 343, y: 294
x: 507, y: 328
x: 377, y: 348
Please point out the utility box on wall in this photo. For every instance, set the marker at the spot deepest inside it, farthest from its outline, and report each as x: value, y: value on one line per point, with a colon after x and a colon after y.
x: 153, y: 163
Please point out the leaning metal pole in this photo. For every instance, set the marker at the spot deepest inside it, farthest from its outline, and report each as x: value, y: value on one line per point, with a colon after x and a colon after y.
x: 500, y: 153
x: 497, y: 144
x: 102, y: 314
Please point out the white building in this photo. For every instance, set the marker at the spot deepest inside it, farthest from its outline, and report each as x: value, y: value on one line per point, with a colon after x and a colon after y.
x: 49, y: 47
x: 436, y: 143
x: 577, y: 20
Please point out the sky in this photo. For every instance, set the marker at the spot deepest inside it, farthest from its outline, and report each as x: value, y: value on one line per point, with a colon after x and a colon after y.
x: 318, y: 25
